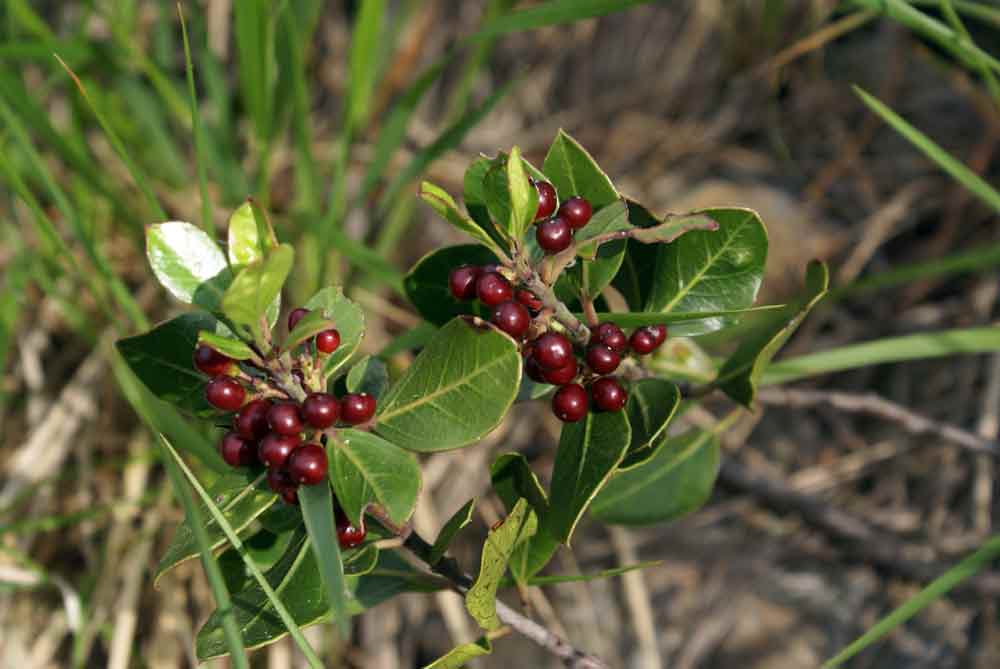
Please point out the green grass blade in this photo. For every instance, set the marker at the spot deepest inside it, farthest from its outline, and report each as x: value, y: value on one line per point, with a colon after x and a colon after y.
x: 948, y: 9
x: 317, y: 511
x: 365, y: 40
x: 552, y: 13
x: 448, y: 139
x: 133, y: 168
x: 237, y: 544
x: 200, y: 159
x: 892, y: 349
x: 944, y: 160
x: 973, y: 10
x: 940, y: 586
x: 216, y: 582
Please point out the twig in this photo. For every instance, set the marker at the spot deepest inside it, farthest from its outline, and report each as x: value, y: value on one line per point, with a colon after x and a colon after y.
x: 870, y: 403
x: 461, y: 582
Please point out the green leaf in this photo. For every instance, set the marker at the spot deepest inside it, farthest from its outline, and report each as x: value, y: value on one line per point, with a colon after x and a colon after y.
x: 349, y: 320
x: 445, y: 206
x: 741, y: 373
x: 366, y: 468
x: 512, y: 478
x: 596, y: 576
x: 672, y: 227
x: 265, y: 548
x: 365, y: 47
x: 711, y: 271
x: 188, y: 263
x: 890, y: 349
x: 573, y: 171
x: 523, y: 196
x: 612, y: 219
x: 297, y: 581
x: 590, y: 277
x: 248, y: 239
x: 474, y: 195
x: 652, y: 404
x: 256, y: 287
x: 234, y: 348
x: 368, y: 375
x: 551, y: 13
x: 481, y: 599
x: 679, y: 319
x: 458, y: 520
x: 242, y: 495
x: 633, y: 279
x: 589, y: 451
x: 361, y: 560
x: 317, y: 511
x: 162, y: 360
x: 309, y: 326
x: 427, y: 288
x: 459, y: 655
x: 456, y: 391
x: 675, y: 480
x: 962, y: 174
x: 936, y: 589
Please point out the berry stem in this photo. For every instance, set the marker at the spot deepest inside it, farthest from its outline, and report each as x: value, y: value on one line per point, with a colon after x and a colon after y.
x: 589, y: 312
x: 533, y: 282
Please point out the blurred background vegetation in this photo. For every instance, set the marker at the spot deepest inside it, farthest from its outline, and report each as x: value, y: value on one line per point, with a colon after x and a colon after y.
x: 329, y: 114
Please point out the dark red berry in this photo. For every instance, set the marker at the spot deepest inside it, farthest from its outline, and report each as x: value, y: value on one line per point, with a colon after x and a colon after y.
x: 211, y: 362
x: 236, y: 451
x: 576, y: 211
x: 602, y: 359
x: 553, y: 350
x: 327, y: 341
x: 563, y: 375
x: 529, y: 300
x: 512, y: 317
x: 647, y: 339
x: 275, y: 448
x: 307, y: 464
x: 546, y: 199
x: 348, y: 535
x: 608, y: 394
x: 534, y: 370
x: 611, y: 336
x: 320, y: 410
x: 290, y: 495
x: 296, y: 316
x: 462, y: 282
x: 251, y: 420
x: 357, y: 408
x: 225, y: 393
x: 554, y: 235
x: 492, y: 289
x: 569, y: 404
x: 278, y: 479
x: 285, y: 418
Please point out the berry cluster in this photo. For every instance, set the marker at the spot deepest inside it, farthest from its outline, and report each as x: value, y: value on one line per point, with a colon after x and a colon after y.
x: 271, y: 427
x: 554, y: 233
x: 552, y: 359
x: 512, y: 309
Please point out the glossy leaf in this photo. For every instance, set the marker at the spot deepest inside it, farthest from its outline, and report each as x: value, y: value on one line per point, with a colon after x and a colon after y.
x: 241, y: 495
x: 675, y: 480
x: 234, y: 348
x: 449, y: 530
x: 188, y: 263
x: 458, y: 656
x: 711, y: 270
x: 481, y: 599
x: 248, y: 239
x: 672, y: 227
x: 349, y: 320
x: 679, y: 319
x: 741, y: 373
x: 456, y: 391
x: 445, y: 206
x: 475, y: 198
x: 523, y: 196
x: 590, y: 277
x: 573, y: 171
x: 368, y: 375
x: 366, y: 468
x: 265, y: 548
x: 589, y: 451
x: 426, y: 284
x: 317, y: 512
x: 308, y: 327
x: 256, y: 287
x: 162, y: 359
x: 513, y: 478
x: 652, y: 403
